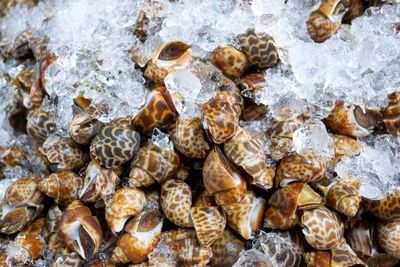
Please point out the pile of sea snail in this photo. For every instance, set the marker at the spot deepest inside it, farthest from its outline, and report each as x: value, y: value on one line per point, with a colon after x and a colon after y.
x: 116, y: 195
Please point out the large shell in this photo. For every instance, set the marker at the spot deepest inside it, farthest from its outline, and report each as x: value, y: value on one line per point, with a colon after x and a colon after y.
x: 387, y: 208
x: 31, y: 241
x: 170, y: 57
x: 126, y: 202
x: 221, y: 117
x: 246, y: 152
x: 188, y: 138
x: 64, y: 154
x: 295, y: 167
x: 226, y: 250
x: 322, y: 228
x: 360, y: 238
x: 143, y: 233
x: 388, y: 235
x: 230, y: 61
x: 391, y: 114
x: 274, y: 218
x: 83, y: 128
x: 158, y: 110
x: 176, y: 200
x: 40, y: 124
x: 80, y: 230
x: 24, y: 191
x: 114, y: 146
x: 63, y: 186
x: 260, y: 48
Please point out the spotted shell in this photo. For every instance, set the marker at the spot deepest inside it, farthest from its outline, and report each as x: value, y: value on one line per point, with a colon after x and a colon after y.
x: 99, y: 182
x: 295, y: 167
x: 24, y: 191
x: 40, y: 124
x: 14, y: 219
x: 143, y: 233
x: 223, y: 180
x: 322, y: 228
x: 153, y: 163
x: 188, y: 138
x: 176, y: 201
x: 252, y: 83
x: 344, y: 198
x: 114, y: 146
x: 274, y: 218
x: 221, y: 117
x: 320, y: 27
x: 12, y: 155
x: 246, y: 216
x: 158, y: 110
x: 84, y: 128
x: 387, y: 208
x: 80, y: 230
x: 31, y: 241
x: 344, y: 147
x: 125, y: 203
x: 360, y: 238
x: 64, y: 154
x: 246, y: 152
x: 170, y: 57
x: 63, y: 187
x: 260, y: 48
x: 317, y: 258
x: 230, y: 61
x: 253, y: 112
x: 391, y: 114
x: 226, y: 249
x: 388, y: 235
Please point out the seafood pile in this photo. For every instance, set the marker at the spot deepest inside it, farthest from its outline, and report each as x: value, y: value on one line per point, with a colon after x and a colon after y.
x: 184, y: 181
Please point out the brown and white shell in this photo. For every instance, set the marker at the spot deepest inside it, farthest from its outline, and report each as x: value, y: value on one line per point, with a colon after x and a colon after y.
x: 84, y: 127
x: 274, y: 218
x: 226, y: 250
x: 345, y: 146
x: 40, y: 124
x: 344, y: 197
x: 14, y: 218
x: 391, y: 114
x: 24, y: 191
x: 360, y: 238
x: 387, y: 208
x: 230, y: 61
x: 12, y: 156
x: 388, y: 235
x: 31, y: 242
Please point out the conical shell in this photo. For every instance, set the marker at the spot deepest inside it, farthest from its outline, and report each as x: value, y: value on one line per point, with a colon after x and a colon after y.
x: 63, y: 187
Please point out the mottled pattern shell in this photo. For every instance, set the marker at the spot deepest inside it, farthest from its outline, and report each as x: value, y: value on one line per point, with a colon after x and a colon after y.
x: 24, y: 191
x: 317, y: 258
x: 14, y: 219
x: 344, y: 198
x: 246, y: 152
x: 40, y: 124
x: 355, y: 10
x: 69, y: 260
x: 31, y: 241
x: 274, y: 218
x: 230, y: 61
x: 280, y: 147
x: 253, y: 112
x: 64, y: 154
x: 252, y: 83
x: 341, y: 120
x: 285, y: 124
x: 294, y: 167
x: 320, y: 27
x: 226, y: 250
x: 99, y: 182
x: 344, y: 147
x: 322, y: 228
x: 188, y: 138
x: 158, y: 110
x: 153, y: 163
x: 143, y: 233
x: 169, y: 57
x: 63, y: 187
x: 382, y: 260
x: 388, y: 235
x: 12, y: 155
x: 259, y: 48
x: 176, y: 201
x: 360, y: 238
x: 80, y: 230
x: 209, y: 223
x: 246, y: 216
x: 125, y: 203
x: 114, y: 146
x: 84, y: 128
x: 391, y: 114
x: 344, y: 258
x: 221, y: 117
x: 387, y: 208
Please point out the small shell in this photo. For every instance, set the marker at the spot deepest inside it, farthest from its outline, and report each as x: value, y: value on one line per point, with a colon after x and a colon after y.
x: 320, y: 27
x: 344, y: 198
x: 209, y: 223
x: 126, y: 203
x: 14, y: 219
x: 143, y: 233
x: 50, y: 231
x: 226, y: 250
x: 176, y: 200
x: 188, y: 138
x: 223, y: 180
x: 274, y: 218
x: 295, y: 167
x: 68, y: 260
x: 123, y: 122
x: 253, y: 112
x: 322, y: 228
x: 385, y: 209
x: 246, y: 152
x: 63, y: 186
x: 20, y: 48
x: 391, y: 114
x: 221, y: 117
x: 388, y: 235
x: 64, y: 154
x: 317, y: 258
x: 230, y: 61
x: 84, y: 128
x: 158, y: 110
x: 12, y: 155
x: 355, y: 10
x: 344, y: 258
x: 360, y: 238
x: 260, y: 48
x: 114, y: 146
x: 170, y: 57
x: 344, y: 147
x: 252, y: 83
x: 246, y: 216
x: 80, y: 230
x: 40, y: 124
x: 31, y: 241
x: 24, y: 191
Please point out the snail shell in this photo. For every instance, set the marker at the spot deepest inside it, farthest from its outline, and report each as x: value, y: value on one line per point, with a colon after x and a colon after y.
x: 188, y: 138
x: 344, y: 147
x: 24, y: 191
x: 230, y: 61
x: 40, y: 124
x: 385, y: 209
x: 80, y: 230
x: 31, y: 241
x: 14, y: 219
x: 360, y: 238
x: 320, y: 27
x: 125, y: 203
x: 50, y: 231
x: 252, y: 83
x: 221, y: 117
x: 84, y: 128
x: 391, y: 114
x: 114, y: 146
x: 388, y: 235
x: 176, y: 200
x: 68, y: 260
x: 355, y: 10
x: 382, y: 260
x: 344, y: 258
x: 253, y: 112
x: 63, y: 186
x: 64, y: 154
x: 344, y: 198
x: 317, y: 258
x: 246, y: 152
x: 260, y: 48
x: 12, y: 156
x: 226, y: 249
x: 274, y: 218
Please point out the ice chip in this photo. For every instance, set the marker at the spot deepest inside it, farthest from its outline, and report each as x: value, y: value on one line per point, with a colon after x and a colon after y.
x: 161, y: 139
